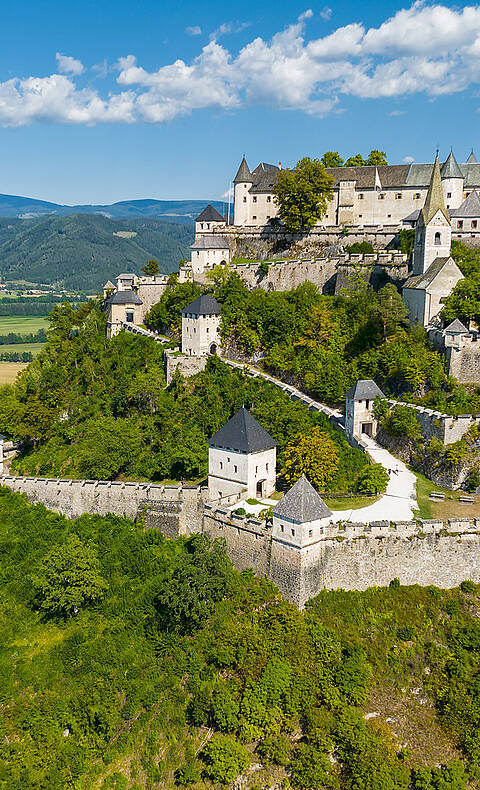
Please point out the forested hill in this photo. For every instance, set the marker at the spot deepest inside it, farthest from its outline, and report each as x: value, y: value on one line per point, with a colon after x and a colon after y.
x: 17, y: 206
x: 82, y: 251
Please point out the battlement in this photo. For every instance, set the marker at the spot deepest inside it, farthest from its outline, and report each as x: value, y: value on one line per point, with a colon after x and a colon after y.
x: 436, y: 424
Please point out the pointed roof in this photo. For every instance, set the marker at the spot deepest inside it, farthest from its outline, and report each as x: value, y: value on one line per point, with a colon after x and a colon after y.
x: 450, y: 168
x: 108, y: 284
x: 124, y: 297
x: 209, y: 214
x: 472, y: 159
x: 423, y: 281
x: 243, y: 173
x: 470, y: 206
x: 206, y: 304
x: 364, y: 389
x: 302, y: 504
x: 434, y: 201
x: 243, y: 433
x: 456, y: 328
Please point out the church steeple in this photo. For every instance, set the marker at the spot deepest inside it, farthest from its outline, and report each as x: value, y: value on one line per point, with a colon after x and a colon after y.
x: 434, y: 201
x: 433, y: 232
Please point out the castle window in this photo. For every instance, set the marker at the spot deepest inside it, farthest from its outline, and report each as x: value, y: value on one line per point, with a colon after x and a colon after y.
x: 256, y: 470
x: 381, y: 196
x: 254, y: 216
x: 360, y: 197
x: 460, y: 224
x: 293, y: 532
x: 245, y: 199
x: 235, y: 469
x: 269, y: 199
x: 221, y: 464
x: 389, y: 215
x: 474, y: 223
x: 268, y: 216
x: 254, y: 198
x: 398, y: 196
x: 449, y: 194
x: 416, y: 196
x: 282, y: 528
x: 310, y: 533
x: 266, y: 467
x: 438, y: 239
x: 130, y: 318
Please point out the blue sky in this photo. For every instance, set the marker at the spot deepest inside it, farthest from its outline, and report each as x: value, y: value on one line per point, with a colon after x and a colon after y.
x: 103, y: 101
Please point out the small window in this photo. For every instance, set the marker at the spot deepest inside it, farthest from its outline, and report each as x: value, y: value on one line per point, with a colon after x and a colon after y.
x: 381, y: 196
x: 360, y: 216
x: 254, y: 216
x: 474, y: 223
x: 282, y: 528
x: 460, y: 224
x: 244, y: 199
x: 398, y: 196
x: 269, y: 199
x: 228, y: 460
x: 438, y: 239
x: 254, y: 198
x: 207, y: 329
x: 256, y: 470
x: 449, y: 194
x: 360, y: 197
x: 221, y: 464
x: 388, y: 216
x: 293, y: 533
x: 310, y: 533
x: 416, y: 196
x: 130, y: 318
x: 235, y: 469
x: 268, y: 216
x: 266, y: 467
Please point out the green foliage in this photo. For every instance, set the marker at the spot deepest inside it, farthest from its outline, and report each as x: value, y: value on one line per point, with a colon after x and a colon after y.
x: 188, y: 774
x: 464, y: 301
x: 447, y: 777
x: 311, y: 769
x: 225, y: 759
x: 468, y: 586
x: 276, y: 749
x: 151, y: 268
x: 166, y: 315
x: 377, y: 158
x: 332, y: 159
x: 264, y: 267
x: 313, y: 455
x: 406, y: 240
x: 68, y: 578
x: 302, y: 194
x: 372, y: 480
x: 359, y: 248
x: 402, y: 421
x: 355, y: 161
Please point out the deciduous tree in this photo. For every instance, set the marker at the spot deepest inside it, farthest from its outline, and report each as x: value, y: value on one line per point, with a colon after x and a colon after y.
x: 302, y: 194
x: 313, y: 455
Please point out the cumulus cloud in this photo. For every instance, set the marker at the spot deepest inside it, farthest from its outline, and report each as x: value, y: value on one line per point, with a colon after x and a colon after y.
x: 325, y: 13
x: 193, y: 30
x: 407, y: 160
x: 68, y: 65
x: 424, y: 49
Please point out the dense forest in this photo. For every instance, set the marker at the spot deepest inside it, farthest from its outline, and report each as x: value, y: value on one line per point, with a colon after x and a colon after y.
x: 94, y: 408
x: 84, y: 248
x: 157, y: 665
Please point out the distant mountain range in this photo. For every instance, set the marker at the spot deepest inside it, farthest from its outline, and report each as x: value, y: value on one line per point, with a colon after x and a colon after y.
x: 173, y: 210
x: 82, y: 251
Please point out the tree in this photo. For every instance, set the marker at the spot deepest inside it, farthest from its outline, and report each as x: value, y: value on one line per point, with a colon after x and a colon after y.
x: 377, y: 158
x: 225, y: 758
x: 302, y: 194
x: 151, y: 267
x: 355, y: 161
x: 166, y: 315
x: 332, y: 159
x: 68, y: 577
x: 389, y: 309
x: 464, y: 301
x: 315, y: 455
x: 311, y: 769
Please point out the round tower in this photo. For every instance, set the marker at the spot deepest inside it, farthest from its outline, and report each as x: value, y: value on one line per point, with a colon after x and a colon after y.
x: 241, y: 195
x: 452, y: 182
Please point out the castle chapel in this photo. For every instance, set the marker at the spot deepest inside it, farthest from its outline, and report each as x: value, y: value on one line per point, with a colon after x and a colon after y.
x: 368, y: 195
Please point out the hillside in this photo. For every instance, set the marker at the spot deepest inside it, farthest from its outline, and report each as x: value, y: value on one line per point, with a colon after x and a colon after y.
x: 83, y: 251
x: 176, y: 210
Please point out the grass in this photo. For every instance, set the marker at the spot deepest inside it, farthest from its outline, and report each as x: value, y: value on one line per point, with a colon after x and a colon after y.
x: 34, y: 348
x: 22, y: 324
x: 444, y: 509
x: 349, y: 503
x: 9, y: 371
x: 236, y: 261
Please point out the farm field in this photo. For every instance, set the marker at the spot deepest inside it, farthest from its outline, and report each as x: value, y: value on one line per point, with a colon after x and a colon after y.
x: 20, y: 348
x: 9, y: 371
x: 22, y: 324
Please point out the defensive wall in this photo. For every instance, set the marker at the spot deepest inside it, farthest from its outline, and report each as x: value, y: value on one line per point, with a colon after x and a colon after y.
x: 462, y: 354
x: 441, y: 426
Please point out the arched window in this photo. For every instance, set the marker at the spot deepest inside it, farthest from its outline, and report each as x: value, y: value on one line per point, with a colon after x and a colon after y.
x: 438, y: 239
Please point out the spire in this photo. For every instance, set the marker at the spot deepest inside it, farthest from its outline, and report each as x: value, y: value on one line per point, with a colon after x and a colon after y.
x: 472, y: 159
x: 243, y: 173
x: 450, y: 168
x: 434, y: 201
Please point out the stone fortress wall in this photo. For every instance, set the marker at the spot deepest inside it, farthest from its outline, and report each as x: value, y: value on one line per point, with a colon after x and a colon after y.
x: 441, y: 426
x: 348, y: 556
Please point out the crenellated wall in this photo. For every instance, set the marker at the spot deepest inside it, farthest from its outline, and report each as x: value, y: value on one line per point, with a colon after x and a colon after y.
x: 441, y: 426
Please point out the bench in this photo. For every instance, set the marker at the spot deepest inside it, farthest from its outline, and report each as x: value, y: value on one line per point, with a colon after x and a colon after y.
x: 436, y: 495
x: 467, y: 499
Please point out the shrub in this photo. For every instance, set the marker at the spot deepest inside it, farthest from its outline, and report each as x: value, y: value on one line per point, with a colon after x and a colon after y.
x: 188, y: 774
x: 468, y: 586
x: 311, y: 768
x: 394, y: 584
x: 372, y: 480
x: 225, y: 758
x: 406, y: 633
x: 275, y: 749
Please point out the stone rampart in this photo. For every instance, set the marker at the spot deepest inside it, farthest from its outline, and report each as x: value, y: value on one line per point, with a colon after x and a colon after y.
x: 441, y: 426
x: 187, y: 365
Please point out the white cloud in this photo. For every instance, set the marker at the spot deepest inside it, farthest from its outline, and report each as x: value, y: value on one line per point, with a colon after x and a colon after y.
x: 325, y: 13
x: 408, y: 160
x: 193, y: 30
x: 68, y: 65
x: 395, y: 113
x: 424, y: 49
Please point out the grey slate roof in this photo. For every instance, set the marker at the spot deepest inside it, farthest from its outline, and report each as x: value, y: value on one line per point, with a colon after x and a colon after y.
x: 413, y: 216
x: 456, y: 328
x: 109, y: 284
x: 364, y: 389
x: 264, y: 177
x: 209, y: 214
x: 209, y: 243
x: 434, y: 200
x: 450, y: 168
x: 422, y: 281
x: 206, y: 304
x: 472, y: 159
x: 243, y: 173
x: 469, y: 208
x: 302, y: 504
x: 243, y: 433
x: 124, y: 297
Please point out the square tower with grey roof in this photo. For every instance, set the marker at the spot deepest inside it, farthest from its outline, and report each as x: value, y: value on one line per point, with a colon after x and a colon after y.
x: 201, y: 321
x: 300, y: 518
x: 359, y: 409
x: 242, y: 459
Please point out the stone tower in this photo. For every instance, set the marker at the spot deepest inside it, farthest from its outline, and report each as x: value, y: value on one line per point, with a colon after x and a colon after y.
x: 452, y: 182
x: 201, y: 321
x: 433, y: 232
x: 300, y: 517
x: 242, y: 183
x: 359, y: 409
